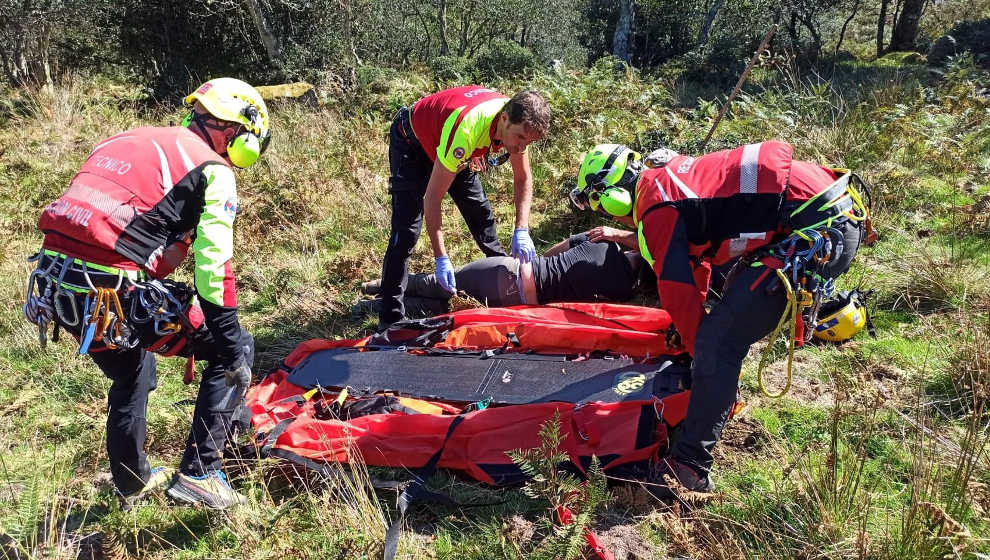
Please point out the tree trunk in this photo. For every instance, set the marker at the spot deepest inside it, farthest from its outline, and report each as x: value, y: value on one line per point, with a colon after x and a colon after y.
x: 442, y: 20
x: 347, y: 11
x: 906, y: 28
x: 264, y: 31
x: 709, y: 19
x: 881, y: 26
x: 842, y: 33
x: 816, y: 37
x: 622, y: 40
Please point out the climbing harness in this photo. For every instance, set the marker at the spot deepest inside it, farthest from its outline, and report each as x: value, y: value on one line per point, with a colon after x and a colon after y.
x: 40, y: 309
x: 102, y: 316
x: 153, y: 302
x: 799, y: 261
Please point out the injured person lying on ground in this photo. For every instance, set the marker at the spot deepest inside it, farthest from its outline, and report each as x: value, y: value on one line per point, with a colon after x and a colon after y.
x: 574, y: 270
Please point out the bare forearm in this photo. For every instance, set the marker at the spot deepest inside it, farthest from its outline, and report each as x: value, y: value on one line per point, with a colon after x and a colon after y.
x: 558, y: 248
x: 434, y: 223
x: 523, y: 199
x: 627, y: 239
x: 522, y: 188
x: 440, y: 180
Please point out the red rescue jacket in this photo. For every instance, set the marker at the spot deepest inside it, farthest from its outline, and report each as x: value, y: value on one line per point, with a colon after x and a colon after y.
x: 696, y: 211
x: 135, y: 203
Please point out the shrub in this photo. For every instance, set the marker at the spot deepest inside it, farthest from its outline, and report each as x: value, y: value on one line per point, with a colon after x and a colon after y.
x: 503, y: 59
x: 972, y: 36
x: 375, y: 79
x: 451, y: 68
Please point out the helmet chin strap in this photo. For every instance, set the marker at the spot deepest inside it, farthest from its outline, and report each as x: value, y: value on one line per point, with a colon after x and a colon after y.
x: 205, y: 126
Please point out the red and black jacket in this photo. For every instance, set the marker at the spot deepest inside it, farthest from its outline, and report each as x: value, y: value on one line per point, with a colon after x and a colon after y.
x: 696, y: 211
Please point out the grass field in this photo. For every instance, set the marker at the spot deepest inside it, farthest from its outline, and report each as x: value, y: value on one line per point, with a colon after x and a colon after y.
x: 878, y: 451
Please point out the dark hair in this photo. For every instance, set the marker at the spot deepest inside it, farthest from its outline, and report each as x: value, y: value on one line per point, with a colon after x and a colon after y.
x: 529, y: 108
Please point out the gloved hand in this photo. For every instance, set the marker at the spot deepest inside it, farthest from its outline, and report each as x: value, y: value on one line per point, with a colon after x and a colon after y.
x: 238, y: 378
x: 522, y: 245
x: 445, y: 274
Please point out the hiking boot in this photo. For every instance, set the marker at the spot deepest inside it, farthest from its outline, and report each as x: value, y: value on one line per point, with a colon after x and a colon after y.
x: 670, y: 477
x: 371, y: 287
x: 157, y: 479
x: 211, y: 490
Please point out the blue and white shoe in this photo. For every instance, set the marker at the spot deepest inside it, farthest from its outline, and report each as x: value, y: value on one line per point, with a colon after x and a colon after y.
x: 211, y: 490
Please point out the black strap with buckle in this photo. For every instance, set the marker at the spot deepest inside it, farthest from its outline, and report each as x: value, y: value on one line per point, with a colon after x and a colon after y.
x: 404, y: 118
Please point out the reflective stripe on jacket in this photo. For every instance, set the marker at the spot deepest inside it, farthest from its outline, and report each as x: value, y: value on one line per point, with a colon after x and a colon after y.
x: 140, y: 200
x: 457, y: 124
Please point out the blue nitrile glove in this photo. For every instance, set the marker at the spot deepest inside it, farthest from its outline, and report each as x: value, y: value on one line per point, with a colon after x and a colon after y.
x: 522, y: 245
x: 445, y: 274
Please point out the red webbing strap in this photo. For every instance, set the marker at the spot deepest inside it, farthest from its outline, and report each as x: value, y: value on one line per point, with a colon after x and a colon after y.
x: 566, y: 517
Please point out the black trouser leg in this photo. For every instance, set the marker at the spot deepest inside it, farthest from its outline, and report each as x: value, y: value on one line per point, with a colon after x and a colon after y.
x: 427, y: 286
x: 134, y: 376
x: 742, y: 317
x: 407, y: 222
x: 211, y: 424
x: 471, y: 201
x: 724, y: 337
x: 491, y: 280
x: 409, y: 173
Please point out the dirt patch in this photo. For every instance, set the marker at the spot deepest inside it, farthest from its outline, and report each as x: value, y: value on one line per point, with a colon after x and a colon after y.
x: 103, y: 481
x: 742, y: 436
x: 626, y: 543
x: 805, y: 387
x: 518, y: 530
x: 888, y: 381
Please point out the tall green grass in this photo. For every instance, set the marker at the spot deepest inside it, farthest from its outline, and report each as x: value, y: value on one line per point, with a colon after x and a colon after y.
x: 890, y: 462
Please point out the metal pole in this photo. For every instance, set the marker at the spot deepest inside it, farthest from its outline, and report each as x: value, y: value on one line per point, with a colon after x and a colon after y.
x: 739, y: 84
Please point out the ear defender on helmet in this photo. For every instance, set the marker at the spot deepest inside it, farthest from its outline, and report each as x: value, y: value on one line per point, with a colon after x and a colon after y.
x: 187, y: 120
x: 245, y: 148
x: 617, y: 201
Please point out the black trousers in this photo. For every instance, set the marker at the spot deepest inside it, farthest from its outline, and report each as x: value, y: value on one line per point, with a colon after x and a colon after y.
x: 410, y: 170
x: 134, y: 375
x: 744, y: 315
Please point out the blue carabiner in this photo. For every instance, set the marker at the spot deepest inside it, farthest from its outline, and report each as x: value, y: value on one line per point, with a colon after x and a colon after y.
x: 88, y: 329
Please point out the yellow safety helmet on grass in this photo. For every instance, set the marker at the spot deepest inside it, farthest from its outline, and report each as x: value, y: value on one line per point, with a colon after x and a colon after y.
x: 230, y: 99
x: 843, y: 317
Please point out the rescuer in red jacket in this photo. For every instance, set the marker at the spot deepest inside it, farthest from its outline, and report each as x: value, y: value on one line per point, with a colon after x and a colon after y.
x: 438, y: 146
x: 692, y: 212
x: 141, y: 200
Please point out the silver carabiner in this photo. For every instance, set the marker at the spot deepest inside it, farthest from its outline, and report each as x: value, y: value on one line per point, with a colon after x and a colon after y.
x: 61, y: 292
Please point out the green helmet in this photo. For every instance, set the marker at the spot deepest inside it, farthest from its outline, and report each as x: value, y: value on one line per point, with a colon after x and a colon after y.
x: 607, y: 179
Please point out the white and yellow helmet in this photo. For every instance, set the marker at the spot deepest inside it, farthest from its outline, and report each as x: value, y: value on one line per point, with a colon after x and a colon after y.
x: 230, y: 99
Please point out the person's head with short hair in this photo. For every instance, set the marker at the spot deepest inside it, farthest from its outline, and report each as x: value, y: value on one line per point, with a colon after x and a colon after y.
x: 232, y: 118
x: 524, y: 120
